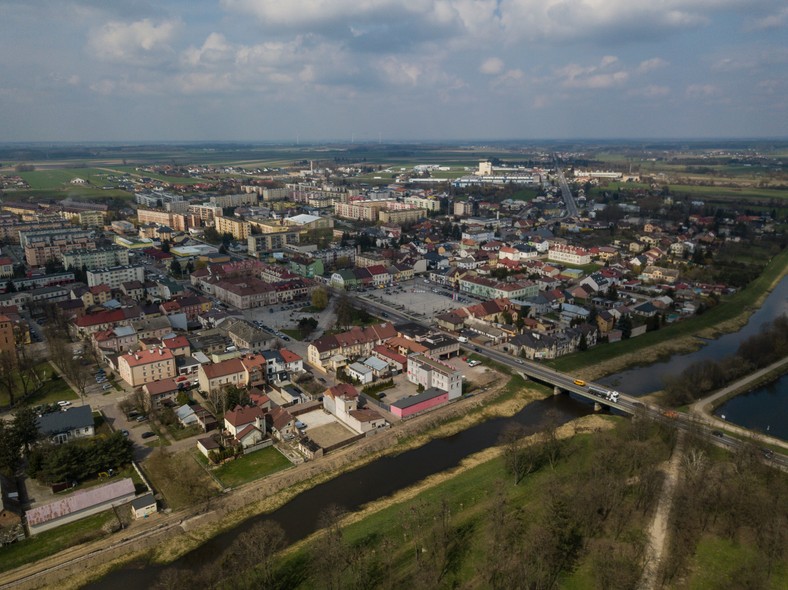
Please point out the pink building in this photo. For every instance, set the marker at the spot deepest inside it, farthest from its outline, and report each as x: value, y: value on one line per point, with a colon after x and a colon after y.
x: 415, y: 404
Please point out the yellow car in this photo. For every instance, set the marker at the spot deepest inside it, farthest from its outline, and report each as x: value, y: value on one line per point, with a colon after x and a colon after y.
x: 579, y: 382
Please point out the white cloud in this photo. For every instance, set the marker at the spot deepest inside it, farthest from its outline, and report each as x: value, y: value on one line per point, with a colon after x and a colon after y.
x: 648, y: 65
x: 702, y: 90
x: 773, y: 21
x: 650, y: 91
x: 138, y: 42
x: 492, y: 66
x: 595, y: 76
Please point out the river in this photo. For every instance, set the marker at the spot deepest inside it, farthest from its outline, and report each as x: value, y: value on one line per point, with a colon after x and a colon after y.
x: 387, y: 475
x: 644, y: 380
x: 762, y: 409
x: 351, y: 490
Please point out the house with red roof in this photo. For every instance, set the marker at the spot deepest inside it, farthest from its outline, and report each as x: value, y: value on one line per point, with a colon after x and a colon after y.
x: 217, y: 375
x: 179, y: 345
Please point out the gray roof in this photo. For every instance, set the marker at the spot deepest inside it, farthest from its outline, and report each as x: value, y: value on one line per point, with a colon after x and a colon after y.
x: 143, y: 501
x: 71, y: 419
x: 425, y: 395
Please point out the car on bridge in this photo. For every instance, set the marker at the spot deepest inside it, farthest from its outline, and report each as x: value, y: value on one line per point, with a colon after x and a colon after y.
x: 580, y: 382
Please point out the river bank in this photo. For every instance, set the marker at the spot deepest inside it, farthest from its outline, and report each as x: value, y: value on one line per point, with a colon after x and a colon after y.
x: 682, y: 338
x: 169, y: 536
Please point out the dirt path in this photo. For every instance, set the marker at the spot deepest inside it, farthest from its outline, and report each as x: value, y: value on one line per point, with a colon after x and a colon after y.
x: 704, y: 407
x: 658, y: 530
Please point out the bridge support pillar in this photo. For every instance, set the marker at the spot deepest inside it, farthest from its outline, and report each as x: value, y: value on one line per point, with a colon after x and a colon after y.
x: 597, y: 407
x: 557, y: 390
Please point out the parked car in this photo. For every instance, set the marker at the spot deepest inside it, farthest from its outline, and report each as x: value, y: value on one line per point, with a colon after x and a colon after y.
x: 64, y: 404
x: 141, y: 418
x: 148, y: 434
x: 125, y: 433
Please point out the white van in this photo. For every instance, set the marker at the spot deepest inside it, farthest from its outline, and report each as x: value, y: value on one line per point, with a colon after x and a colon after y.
x: 462, y: 339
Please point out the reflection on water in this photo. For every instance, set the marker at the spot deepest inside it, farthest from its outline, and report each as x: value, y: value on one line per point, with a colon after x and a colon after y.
x: 762, y: 409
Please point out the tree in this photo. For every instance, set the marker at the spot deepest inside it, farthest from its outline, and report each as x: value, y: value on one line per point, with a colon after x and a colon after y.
x: 344, y: 311
x: 625, y: 325
x: 8, y: 375
x: 175, y: 268
x: 320, y: 298
x: 520, y: 457
x: 25, y: 425
x: 10, y: 448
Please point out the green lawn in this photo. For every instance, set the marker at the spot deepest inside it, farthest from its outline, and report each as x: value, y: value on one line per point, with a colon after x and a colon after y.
x: 53, y: 541
x: 50, y: 392
x: 294, y: 334
x: 717, y: 560
x: 251, y: 467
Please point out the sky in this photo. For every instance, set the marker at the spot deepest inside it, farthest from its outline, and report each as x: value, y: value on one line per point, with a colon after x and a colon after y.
x: 391, y: 70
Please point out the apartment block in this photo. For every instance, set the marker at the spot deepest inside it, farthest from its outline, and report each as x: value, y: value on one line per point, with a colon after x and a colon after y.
x: 115, y: 276
x: 98, y: 258
x: 429, y: 373
x: 237, y: 228
x: 259, y: 244
x: 41, y: 247
x: 146, y: 366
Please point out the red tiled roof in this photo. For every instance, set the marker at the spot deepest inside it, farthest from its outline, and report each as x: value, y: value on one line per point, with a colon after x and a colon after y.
x: 223, y: 368
x: 241, y: 415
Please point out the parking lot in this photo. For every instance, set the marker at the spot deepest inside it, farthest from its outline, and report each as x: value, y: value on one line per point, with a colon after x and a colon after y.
x: 418, y: 297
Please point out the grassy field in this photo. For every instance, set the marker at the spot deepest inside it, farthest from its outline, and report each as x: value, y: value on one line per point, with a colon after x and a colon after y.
x: 470, y: 495
x: 729, y: 308
x: 50, y: 392
x: 251, y: 467
x: 51, y: 542
x: 717, y: 561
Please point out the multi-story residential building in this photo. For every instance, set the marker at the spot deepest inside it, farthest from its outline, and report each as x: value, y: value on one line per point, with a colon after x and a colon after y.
x: 265, y: 243
x: 115, y: 276
x: 206, y: 212
x: 330, y: 256
x: 362, y: 210
x: 98, y: 258
x: 145, y: 366
x: 223, y: 374
x: 235, y: 227
x: 307, y: 223
x: 492, y: 289
x: 569, y: 254
x: 429, y: 373
x: 463, y: 208
x: 355, y: 342
x: 305, y: 266
x: 41, y: 247
x: 401, y: 215
x: 177, y: 221
x: 428, y: 203
x: 306, y: 193
x: 11, y: 226
x: 222, y: 201
x: 44, y: 280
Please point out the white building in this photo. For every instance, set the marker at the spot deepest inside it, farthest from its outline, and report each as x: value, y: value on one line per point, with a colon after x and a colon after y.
x: 428, y: 373
x: 115, y: 276
x: 569, y: 254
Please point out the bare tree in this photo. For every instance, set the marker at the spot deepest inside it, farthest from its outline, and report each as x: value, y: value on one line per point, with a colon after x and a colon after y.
x: 520, y: 456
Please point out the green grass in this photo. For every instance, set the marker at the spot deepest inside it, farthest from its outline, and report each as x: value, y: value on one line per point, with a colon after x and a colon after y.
x: 716, y: 561
x: 50, y: 392
x: 470, y: 496
x: 53, y: 541
x: 294, y: 334
x: 729, y: 308
x: 251, y: 467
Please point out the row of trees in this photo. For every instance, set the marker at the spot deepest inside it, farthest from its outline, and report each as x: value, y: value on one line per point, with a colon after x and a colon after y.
x: 703, y: 377
x: 79, y: 460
